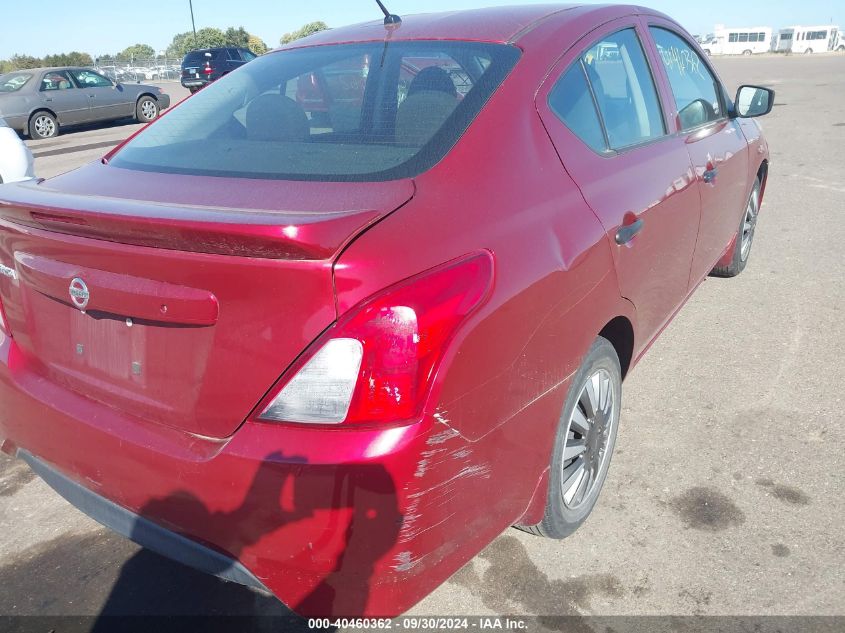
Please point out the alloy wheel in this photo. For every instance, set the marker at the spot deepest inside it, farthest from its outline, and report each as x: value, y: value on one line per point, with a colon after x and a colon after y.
x: 749, y: 224
x: 45, y: 126
x: 590, y: 427
x: 148, y: 109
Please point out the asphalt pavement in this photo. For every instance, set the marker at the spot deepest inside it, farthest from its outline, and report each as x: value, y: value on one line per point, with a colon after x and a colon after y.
x: 725, y: 495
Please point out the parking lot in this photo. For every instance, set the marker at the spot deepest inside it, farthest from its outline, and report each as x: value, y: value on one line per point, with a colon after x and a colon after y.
x: 725, y: 495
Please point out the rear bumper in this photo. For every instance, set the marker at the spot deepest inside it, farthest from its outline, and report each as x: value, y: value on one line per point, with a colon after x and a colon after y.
x: 333, y: 522
x: 189, y: 82
x: 140, y: 530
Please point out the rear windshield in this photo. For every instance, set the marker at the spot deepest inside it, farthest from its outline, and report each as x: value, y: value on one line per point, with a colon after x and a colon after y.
x: 12, y: 82
x: 198, y: 58
x: 346, y: 112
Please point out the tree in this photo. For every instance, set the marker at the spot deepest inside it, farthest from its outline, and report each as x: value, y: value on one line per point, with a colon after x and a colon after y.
x: 206, y: 38
x: 23, y: 62
x: 305, y: 31
x: 74, y: 58
x: 257, y: 45
x: 237, y: 37
x: 136, y: 51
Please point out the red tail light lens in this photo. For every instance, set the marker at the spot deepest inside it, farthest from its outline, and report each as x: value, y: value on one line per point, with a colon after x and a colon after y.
x: 208, y: 70
x: 376, y: 364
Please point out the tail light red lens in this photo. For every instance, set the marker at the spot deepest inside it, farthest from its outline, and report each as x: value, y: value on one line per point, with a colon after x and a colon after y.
x: 377, y: 363
x: 208, y: 70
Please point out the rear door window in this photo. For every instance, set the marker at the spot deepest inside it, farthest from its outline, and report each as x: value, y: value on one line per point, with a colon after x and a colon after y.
x: 624, y: 89
x: 696, y: 91
x: 573, y: 104
x: 56, y: 80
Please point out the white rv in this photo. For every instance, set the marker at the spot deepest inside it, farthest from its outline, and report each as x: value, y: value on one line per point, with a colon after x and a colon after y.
x: 738, y: 41
x: 809, y: 39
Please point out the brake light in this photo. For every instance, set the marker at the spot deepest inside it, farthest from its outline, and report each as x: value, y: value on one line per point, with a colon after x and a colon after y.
x: 376, y: 364
x: 208, y: 70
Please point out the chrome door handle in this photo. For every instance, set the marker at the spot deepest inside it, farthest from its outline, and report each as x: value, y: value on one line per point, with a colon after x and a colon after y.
x: 627, y: 232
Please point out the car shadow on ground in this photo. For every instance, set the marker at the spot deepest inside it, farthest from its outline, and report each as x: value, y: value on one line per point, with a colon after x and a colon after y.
x: 107, y: 578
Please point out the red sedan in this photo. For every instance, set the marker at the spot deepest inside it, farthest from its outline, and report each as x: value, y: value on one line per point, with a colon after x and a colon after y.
x: 336, y: 356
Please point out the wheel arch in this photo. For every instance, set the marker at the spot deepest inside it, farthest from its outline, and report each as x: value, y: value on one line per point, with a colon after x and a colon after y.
x: 42, y: 109
x: 762, y: 176
x: 146, y: 94
x: 620, y: 332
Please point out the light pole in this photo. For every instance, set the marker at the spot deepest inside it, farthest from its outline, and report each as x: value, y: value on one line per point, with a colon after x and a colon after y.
x: 193, y: 25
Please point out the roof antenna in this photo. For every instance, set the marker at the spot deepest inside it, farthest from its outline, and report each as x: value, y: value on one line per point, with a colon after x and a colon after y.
x: 390, y: 19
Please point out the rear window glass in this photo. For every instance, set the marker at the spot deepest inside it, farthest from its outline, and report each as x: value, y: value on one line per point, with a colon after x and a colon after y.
x: 572, y: 102
x: 198, y: 58
x: 12, y: 82
x: 374, y: 111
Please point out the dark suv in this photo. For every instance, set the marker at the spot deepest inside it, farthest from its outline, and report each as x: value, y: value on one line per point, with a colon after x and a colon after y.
x: 204, y: 65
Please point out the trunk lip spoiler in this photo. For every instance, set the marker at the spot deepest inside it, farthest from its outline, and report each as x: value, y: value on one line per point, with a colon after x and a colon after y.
x: 213, y: 230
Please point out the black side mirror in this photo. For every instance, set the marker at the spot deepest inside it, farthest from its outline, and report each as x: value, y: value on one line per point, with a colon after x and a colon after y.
x: 753, y: 101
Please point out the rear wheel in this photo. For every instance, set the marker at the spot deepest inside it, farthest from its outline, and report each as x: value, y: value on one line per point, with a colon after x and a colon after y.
x: 146, y: 110
x: 43, y: 125
x: 744, y: 238
x: 746, y: 52
x: 809, y: 51
x: 584, y: 443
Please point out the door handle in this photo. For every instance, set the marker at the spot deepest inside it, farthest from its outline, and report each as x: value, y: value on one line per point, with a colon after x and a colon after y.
x: 48, y: 99
x: 709, y: 175
x: 627, y: 232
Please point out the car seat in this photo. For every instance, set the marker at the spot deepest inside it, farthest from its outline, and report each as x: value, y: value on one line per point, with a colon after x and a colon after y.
x: 273, y: 117
x: 432, y: 97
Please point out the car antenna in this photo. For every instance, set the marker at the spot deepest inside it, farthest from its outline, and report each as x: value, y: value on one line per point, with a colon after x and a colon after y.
x: 390, y: 19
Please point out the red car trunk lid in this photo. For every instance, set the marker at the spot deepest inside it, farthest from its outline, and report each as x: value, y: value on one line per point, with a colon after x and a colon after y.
x: 177, y: 299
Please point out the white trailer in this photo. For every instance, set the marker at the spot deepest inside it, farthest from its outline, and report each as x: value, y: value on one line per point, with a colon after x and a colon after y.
x: 809, y: 39
x: 738, y: 41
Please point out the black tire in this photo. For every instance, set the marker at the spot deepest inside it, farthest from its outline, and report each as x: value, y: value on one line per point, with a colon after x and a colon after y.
x: 707, y: 52
x: 193, y: 90
x: 740, y: 254
x: 746, y: 52
x: 43, y: 125
x: 809, y: 51
x: 146, y: 110
x: 562, y: 518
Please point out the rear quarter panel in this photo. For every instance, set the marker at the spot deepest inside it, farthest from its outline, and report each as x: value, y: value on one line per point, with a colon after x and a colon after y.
x: 498, y: 392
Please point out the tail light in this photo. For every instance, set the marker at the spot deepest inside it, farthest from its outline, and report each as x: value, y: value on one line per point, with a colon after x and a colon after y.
x: 376, y: 364
x: 208, y: 69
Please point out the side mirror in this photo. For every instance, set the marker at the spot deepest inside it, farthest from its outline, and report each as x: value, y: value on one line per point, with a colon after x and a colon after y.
x: 753, y: 101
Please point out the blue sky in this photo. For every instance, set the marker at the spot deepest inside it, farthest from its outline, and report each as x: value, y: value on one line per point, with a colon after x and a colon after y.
x: 99, y: 27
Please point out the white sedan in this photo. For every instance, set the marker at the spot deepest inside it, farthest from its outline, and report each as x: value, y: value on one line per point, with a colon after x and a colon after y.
x: 16, y: 162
